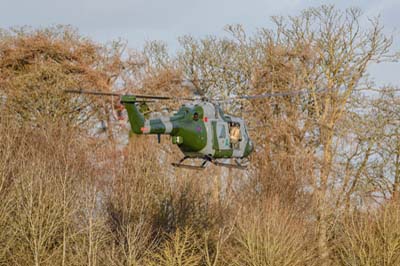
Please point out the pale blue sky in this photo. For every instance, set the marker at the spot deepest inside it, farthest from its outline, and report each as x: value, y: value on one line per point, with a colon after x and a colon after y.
x: 140, y: 20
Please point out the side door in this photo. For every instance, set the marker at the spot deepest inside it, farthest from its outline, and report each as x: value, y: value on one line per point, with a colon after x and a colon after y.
x: 222, y: 135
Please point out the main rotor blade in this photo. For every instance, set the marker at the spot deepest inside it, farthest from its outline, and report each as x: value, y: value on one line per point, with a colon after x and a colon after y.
x: 267, y: 95
x: 93, y: 92
x: 153, y: 97
x: 276, y: 94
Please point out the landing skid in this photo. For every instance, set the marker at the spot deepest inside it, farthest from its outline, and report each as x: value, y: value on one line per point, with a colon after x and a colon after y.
x: 207, y: 159
x: 228, y: 165
x: 196, y: 167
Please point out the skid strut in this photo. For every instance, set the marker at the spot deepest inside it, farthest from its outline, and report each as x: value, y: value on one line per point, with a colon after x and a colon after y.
x: 198, y: 167
x: 207, y: 159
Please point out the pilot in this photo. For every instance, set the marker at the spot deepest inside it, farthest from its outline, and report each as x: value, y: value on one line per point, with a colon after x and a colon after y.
x: 234, y: 134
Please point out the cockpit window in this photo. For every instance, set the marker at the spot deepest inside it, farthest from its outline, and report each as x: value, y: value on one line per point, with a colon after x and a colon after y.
x: 222, y: 133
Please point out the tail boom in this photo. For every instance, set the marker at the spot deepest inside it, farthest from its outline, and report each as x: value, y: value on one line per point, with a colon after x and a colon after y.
x: 139, y: 124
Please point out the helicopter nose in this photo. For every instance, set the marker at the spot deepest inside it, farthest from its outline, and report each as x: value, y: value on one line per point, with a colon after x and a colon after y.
x: 249, y: 148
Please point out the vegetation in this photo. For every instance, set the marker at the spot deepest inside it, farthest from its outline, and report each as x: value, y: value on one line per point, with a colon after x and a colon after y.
x: 322, y: 187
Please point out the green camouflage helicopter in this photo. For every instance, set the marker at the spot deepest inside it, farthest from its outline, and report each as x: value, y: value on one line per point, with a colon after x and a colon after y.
x: 200, y: 128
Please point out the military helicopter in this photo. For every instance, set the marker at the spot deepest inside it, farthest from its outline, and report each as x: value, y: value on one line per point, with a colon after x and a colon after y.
x: 200, y: 128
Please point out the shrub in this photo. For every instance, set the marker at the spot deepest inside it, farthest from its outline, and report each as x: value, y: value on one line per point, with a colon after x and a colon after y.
x: 371, y: 238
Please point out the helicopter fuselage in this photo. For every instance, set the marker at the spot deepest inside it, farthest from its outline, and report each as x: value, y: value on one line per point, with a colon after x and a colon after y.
x: 198, y: 128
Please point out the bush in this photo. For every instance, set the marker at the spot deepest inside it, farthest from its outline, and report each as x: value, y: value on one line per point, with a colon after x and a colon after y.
x: 271, y: 235
x: 371, y: 238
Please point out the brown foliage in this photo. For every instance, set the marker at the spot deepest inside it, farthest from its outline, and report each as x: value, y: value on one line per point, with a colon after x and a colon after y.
x: 72, y: 198
x: 36, y: 66
x: 272, y: 235
x: 370, y: 238
x: 40, y: 194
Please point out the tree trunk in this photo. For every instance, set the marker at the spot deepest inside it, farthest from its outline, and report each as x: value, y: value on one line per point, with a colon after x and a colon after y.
x: 323, y: 249
x: 322, y: 196
x: 396, y: 182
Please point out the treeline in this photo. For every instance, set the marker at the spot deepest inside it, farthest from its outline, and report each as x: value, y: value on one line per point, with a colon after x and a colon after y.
x: 322, y: 187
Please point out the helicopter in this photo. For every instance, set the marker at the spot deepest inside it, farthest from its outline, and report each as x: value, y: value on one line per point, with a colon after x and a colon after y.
x: 200, y: 128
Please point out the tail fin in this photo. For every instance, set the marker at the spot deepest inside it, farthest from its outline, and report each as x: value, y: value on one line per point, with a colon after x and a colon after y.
x: 136, y: 118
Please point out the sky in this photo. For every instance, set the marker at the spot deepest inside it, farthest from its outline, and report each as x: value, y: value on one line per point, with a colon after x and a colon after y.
x: 138, y: 21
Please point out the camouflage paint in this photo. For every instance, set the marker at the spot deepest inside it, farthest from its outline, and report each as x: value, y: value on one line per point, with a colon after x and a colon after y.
x: 198, y: 137
x: 136, y: 118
